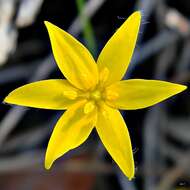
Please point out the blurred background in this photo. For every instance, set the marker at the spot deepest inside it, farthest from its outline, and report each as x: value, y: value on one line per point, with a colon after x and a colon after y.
x: 160, y: 135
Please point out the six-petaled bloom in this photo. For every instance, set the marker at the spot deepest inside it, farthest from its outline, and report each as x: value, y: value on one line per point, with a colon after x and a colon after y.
x: 93, y: 93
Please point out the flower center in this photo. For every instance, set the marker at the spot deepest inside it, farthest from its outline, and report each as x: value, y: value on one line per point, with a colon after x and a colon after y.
x: 93, y: 101
x: 96, y: 95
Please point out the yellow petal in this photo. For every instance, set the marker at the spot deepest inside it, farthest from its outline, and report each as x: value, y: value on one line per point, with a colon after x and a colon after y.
x: 117, y: 53
x: 47, y: 94
x: 115, y: 136
x: 72, y: 129
x: 73, y: 59
x: 139, y: 93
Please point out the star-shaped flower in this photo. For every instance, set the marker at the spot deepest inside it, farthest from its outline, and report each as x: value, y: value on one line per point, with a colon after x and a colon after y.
x: 93, y: 93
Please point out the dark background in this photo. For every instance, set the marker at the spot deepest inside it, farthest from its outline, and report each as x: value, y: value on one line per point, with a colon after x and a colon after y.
x: 160, y: 135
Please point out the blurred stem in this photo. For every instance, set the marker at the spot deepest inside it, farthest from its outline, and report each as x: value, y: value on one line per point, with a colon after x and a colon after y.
x: 88, y: 32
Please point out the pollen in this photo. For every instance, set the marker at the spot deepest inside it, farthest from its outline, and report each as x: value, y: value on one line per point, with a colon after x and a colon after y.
x: 104, y: 74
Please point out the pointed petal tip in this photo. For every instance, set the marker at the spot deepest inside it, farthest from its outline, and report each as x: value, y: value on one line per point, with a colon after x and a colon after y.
x: 131, y: 178
x: 184, y: 87
x: 137, y: 14
x: 7, y: 100
x: 47, y: 24
x: 48, y: 160
x: 130, y: 173
x: 48, y: 165
x: 181, y: 88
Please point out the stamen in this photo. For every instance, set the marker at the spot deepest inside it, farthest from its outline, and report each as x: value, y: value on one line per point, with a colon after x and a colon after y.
x: 87, y: 80
x: 104, y: 75
x: 105, y: 113
x: 89, y: 107
x: 111, y: 95
x: 70, y: 94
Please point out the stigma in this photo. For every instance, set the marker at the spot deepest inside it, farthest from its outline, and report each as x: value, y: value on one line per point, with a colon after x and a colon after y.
x: 96, y: 95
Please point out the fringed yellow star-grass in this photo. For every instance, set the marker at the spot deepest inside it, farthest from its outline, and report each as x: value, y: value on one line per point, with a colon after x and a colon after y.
x: 93, y: 93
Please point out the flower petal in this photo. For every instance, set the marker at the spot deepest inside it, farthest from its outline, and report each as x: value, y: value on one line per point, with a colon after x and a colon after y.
x: 139, y: 93
x: 73, y: 59
x: 72, y: 129
x: 115, y: 136
x: 47, y: 94
x: 117, y: 53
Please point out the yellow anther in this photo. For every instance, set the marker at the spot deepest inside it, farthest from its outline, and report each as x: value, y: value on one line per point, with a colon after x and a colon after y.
x: 105, y: 113
x: 70, y: 94
x: 87, y: 80
x: 104, y: 73
x: 89, y: 107
x: 111, y: 95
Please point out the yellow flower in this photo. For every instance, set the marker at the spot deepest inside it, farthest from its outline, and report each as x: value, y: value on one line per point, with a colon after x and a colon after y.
x: 93, y: 93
